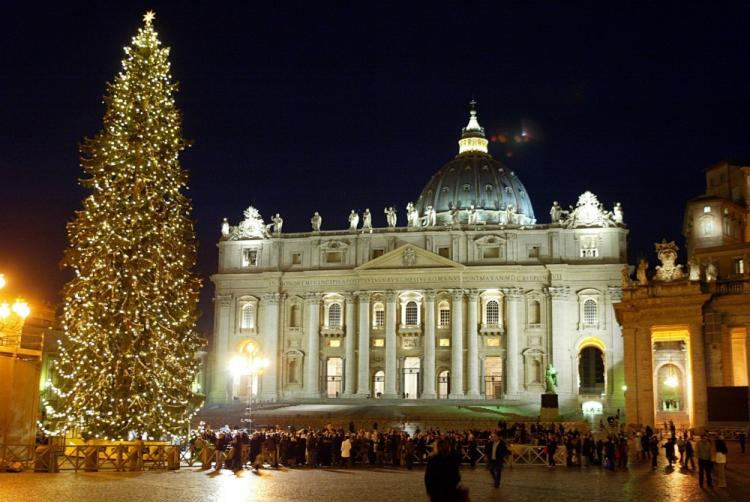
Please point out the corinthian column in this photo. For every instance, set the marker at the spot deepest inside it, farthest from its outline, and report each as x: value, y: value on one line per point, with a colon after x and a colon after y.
x: 473, y: 355
x: 349, y: 343
x: 312, y: 358
x: 269, y: 332
x: 390, y: 345
x: 513, y: 298
x: 219, y: 372
x: 457, y: 345
x: 428, y: 382
x: 363, y: 380
x: 562, y: 326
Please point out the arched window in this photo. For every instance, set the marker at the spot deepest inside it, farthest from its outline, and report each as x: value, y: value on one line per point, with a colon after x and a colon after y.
x: 378, y: 316
x: 248, y: 316
x: 411, y: 314
x: 294, y: 316
x: 493, y: 312
x: 334, y: 316
x: 534, y: 312
x: 444, y: 315
x: 590, y: 314
x: 292, y: 371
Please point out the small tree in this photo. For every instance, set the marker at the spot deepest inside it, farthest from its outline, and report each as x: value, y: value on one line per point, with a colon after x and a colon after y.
x: 130, y: 311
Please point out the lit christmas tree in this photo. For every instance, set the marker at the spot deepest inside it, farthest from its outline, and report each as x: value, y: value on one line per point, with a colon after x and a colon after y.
x: 130, y: 311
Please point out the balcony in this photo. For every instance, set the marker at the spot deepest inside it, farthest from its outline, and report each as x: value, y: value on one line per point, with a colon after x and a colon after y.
x: 24, y: 345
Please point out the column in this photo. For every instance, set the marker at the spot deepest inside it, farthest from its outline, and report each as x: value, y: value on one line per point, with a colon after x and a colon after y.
x: 473, y: 340
x: 513, y: 298
x: 219, y: 393
x: 563, y: 330
x: 312, y: 358
x: 428, y: 382
x: 269, y: 332
x: 699, y: 405
x: 363, y: 378
x: 391, y: 372
x: 349, y: 343
x: 457, y: 345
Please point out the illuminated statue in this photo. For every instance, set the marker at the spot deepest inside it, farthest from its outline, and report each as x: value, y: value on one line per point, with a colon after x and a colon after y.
x: 472, y: 215
x: 225, y: 228
x: 550, y: 380
x: 667, y: 254
x: 455, y: 216
x: 316, y: 221
x: 430, y: 217
x: 712, y: 273
x: 390, y: 216
x: 510, y: 214
x: 617, y: 214
x: 694, y: 269
x: 353, y: 221
x: 412, y: 216
x: 641, y: 272
x: 278, y: 222
x: 555, y: 212
x: 367, y: 221
x: 625, y: 277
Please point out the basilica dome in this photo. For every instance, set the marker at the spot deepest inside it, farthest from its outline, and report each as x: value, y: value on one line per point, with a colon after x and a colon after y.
x: 475, y: 188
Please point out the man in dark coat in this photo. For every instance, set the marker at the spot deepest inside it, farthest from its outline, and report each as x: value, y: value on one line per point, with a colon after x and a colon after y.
x: 495, y: 452
x: 441, y: 476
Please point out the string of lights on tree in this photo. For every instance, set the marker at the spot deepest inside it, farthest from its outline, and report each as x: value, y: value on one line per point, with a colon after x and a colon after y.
x: 129, y: 361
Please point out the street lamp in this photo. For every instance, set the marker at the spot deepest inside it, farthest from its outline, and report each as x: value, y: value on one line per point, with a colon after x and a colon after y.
x: 249, y: 364
x: 12, y: 316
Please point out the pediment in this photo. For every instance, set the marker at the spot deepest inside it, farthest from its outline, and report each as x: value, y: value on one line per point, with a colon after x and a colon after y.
x: 407, y: 257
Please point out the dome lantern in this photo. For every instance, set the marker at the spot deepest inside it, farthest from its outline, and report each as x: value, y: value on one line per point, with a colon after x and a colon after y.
x: 472, y: 136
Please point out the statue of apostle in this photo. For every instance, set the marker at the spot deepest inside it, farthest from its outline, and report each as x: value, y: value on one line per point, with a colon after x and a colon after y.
x: 316, y: 221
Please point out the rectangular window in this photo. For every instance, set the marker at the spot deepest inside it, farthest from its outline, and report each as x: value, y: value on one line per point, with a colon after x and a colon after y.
x: 445, y: 318
x: 444, y: 342
x: 706, y: 209
x: 249, y: 257
x: 534, y: 252
x: 334, y: 257
x: 445, y: 252
x: 296, y: 258
x: 492, y: 342
x: 379, y: 318
x: 377, y: 253
x: 378, y: 342
x: 739, y: 266
x: 491, y: 252
x: 334, y: 343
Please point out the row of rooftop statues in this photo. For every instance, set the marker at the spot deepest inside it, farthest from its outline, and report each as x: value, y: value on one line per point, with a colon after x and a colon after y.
x: 669, y: 270
x: 589, y: 212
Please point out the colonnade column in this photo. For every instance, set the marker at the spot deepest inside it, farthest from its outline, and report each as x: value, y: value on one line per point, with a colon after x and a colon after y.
x: 512, y: 356
x: 390, y: 345
x: 428, y: 382
x: 312, y: 358
x: 349, y: 343
x: 219, y: 393
x: 457, y: 345
x: 269, y: 332
x: 473, y: 340
x: 562, y: 327
x: 363, y: 377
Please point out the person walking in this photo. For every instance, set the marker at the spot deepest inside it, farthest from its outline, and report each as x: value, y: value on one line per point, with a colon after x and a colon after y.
x: 689, y: 454
x: 721, y: 462
x: 669, y: 450
x: 346, y: 452
x: 705, y: 466
x: 495, y: 453
x: 441, y: 476
x: 653, y: 443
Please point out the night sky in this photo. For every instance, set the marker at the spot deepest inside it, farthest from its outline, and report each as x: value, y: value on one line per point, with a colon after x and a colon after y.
x: 301, y: 107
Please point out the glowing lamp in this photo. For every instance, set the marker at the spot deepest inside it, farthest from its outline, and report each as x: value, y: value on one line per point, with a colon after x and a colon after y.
x: 2, y: 281
x: 21, y: 308
x: 238, y: 365
x: 4, y: 311
x: 671, y: 381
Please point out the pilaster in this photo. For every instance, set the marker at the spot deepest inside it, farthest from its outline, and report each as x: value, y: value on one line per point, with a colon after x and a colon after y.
x: 472, y: 342
x: 349, y: 347
x: 391, y: 372
x: 363, y: 377
x: 457, y: 344
x: 312, y: 358
x: 513, y: 297
x: 428, y: 382
x: 219, y: 393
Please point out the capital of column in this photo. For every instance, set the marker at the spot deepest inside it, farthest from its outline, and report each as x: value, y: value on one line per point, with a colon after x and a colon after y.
x: 457, y: 294
x: 223, y: 300
x: 348, y: 296
x: 473, y: 294
x: 513, y: 293
x: 312, y: 298
x: 363, y: 296
x: 391, y: 296
x: 615, y: 292
x: 430, y: 295
x: 559, y: 292
x: 272, y: 298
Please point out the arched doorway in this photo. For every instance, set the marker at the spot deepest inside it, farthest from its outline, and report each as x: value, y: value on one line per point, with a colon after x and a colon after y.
x: 378, y: 384
x: 411, y: 377
x: 444, y: 384
x: 244, y: 384
x: 670, y: 388
x: 334, y: 376
x: 591, y: 371
x: 493, y: 377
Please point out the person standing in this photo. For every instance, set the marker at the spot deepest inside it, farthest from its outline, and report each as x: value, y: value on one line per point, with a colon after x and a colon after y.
x: 441, y: 476
x: 669, y: 450
x: 705, y: 466
x: 721, y: 462
x: 653, y: 442
x: 689, y: 454
x: 741, y: 438
x: 495, y: 452
x: 346, y: 452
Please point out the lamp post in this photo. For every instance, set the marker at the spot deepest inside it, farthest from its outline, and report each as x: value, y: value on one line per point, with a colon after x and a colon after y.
x: 249, y: 363
x: 12, y: 317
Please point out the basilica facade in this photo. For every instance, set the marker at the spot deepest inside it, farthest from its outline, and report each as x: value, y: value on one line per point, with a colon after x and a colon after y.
x: 471, y: 297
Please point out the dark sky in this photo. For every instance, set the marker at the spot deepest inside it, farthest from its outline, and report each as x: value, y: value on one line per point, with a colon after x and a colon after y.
x: 297, y: 107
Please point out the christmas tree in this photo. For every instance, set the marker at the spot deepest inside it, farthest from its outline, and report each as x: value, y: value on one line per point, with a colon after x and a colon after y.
x: 129, y: 362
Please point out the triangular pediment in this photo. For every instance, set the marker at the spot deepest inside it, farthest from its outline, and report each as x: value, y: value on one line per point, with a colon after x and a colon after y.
x: 407, y: 257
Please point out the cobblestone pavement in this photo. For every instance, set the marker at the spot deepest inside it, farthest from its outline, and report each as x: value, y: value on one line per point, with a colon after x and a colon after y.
x: 520, y: 483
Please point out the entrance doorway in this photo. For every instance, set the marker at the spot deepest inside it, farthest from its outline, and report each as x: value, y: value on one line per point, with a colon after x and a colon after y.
x: 378, y: 386
x: 444, y: 384
x: 591, y: 371
x: 411, y: 377
x: 493, y: 377
x: 334, y: 376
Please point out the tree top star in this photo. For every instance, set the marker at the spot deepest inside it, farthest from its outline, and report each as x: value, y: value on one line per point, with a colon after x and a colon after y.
x: 148, y: 17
